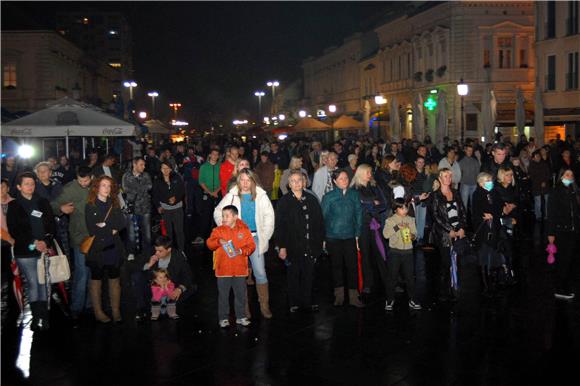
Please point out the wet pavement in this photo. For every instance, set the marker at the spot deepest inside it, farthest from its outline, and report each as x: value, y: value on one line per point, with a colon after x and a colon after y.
x: 524, y: 337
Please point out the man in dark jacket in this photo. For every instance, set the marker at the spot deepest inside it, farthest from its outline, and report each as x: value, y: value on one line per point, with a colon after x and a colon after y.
x: 497, y: 160
x: 540, y: 175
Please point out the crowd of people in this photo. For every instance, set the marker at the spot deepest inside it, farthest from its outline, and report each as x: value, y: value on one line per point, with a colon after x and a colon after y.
x: 368, y: 205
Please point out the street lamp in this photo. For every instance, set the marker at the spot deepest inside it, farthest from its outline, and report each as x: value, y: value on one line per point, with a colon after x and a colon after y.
x: 175, y: 107
x: 259, y: 94
x: 153, y: 95
x: 142, y: 114
x: 332, y: 108
x: 130, y: 84
x: 281, y: 117
x: 379, y: 100
x: 462, y: 90
x: 302, y: 114
x: 273, y: 84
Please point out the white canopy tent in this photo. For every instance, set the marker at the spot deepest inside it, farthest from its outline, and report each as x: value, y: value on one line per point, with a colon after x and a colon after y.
x: 68, y: 118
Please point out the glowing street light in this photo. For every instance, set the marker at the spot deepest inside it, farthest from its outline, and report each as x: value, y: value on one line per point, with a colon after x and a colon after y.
x: 25, y: 151
x: 379, y: 100
x: 302, y: 114
x: 130, y: 84
x: 281, y: 117
x: 259, y: 94
x: 273, y: 84
x: 462, y: 90
x: 153, y: 95
x: 175, y: 106
x: 332, y: 109
x: 142, y: 114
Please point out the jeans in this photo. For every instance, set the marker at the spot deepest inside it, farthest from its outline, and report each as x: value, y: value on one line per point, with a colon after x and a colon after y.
x: 27, y: 267
x: 466, y: 192
x: 144, y: 223
x: 343, y: 256
x: 238, y: 284
x: 174, y: 222
x: 538, y: 206
x: 258, y: 264
x: 420, y: 218
x: 80, y: 281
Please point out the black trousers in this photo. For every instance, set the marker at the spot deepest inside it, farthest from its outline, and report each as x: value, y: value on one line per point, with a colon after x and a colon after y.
x: 400, y: 262
x: 565, y: 242
x: 207, y: 206
x: 371, y: 257
x: 343, y: 255
x: 300, y: 275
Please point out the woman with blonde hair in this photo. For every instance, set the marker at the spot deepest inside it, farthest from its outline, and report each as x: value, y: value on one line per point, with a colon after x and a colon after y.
x: 374, y: 215
x: 105, y: 220
x: 255, y: 209
x: 295, y: 164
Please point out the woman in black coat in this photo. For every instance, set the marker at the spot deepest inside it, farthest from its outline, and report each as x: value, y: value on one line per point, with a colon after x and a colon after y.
x: 104, y: 221
x: 299, y: 235
x: 168, y: 195
x: 563, y: 225
x: 449, y: 222
x: 507, y: 191
x: 31, y: 223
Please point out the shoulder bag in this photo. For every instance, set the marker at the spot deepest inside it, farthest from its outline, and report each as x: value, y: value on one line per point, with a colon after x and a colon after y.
x: 87, y: 243
x: 57, y: 265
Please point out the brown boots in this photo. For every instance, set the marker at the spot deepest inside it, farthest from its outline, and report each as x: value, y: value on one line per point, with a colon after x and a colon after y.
x: 353, y: 299
x: 339, y: 296
x: 115, y: 299
x: 95, y: 290
x: 264, y: 299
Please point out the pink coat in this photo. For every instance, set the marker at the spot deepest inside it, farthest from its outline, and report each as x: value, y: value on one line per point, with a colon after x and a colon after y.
x: 157, y: 292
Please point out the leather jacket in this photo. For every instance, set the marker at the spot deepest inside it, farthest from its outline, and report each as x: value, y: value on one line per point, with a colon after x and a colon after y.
x: 441, y: 225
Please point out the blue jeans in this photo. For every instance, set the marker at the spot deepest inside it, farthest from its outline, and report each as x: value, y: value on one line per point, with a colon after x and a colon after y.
x: 538, y: 206
x: 420, y: 218
x: 258, y: 264
x: 144, y: 223
x: 466, y: 192
x: 36, y: 291
x: 80, y: 282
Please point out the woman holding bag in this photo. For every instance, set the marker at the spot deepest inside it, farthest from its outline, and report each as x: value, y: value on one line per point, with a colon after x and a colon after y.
x: 104, y: 221
x: 31, y: 223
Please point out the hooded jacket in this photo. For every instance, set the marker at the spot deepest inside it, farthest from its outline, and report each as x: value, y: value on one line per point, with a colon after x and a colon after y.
x: 241, y: 238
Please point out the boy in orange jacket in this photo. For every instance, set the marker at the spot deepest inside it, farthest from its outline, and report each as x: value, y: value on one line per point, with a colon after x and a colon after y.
x: 233, y: 244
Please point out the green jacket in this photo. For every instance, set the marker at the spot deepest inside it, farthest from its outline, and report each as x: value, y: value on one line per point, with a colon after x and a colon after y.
x: 342, y: 214
x: 210, y: 175
x: 73, y: 192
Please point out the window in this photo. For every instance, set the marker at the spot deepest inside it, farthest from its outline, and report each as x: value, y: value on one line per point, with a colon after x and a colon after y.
x: 523, y: 58
x: 551, y: 73
x: 550, y: 31
x: 486, y: 59
x: 505, y: 52
x: 572, y: 21
x: 9, y: 76
x: 572, y: 74
x: 400, y: 69
x: 471, y: 122
x: 408, y: 66
x: 115, y: 65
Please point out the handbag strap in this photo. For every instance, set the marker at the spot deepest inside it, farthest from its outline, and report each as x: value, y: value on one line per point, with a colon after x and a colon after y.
x: 108, y: 213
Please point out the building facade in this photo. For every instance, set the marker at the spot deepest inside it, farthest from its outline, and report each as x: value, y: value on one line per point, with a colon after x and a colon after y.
x: 557, y: 48
x: 42, y: 66
x: 423, y: 51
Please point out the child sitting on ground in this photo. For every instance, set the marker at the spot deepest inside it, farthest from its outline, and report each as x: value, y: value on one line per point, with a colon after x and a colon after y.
x: 401, y: 231
x: 161, y: 289
x: 233, y: 243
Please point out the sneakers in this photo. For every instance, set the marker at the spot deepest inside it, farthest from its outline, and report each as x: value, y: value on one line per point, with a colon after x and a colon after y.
x: 243, y: 322
x: 389, y: 305
x: 293, y: 309
x: 198, y: 240
x: 565, y: 296
x: 130, y: 257
x: 414, y: 306
x: 224, y: 323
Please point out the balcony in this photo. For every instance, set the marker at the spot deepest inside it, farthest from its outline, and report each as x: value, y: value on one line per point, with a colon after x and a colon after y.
x: 550, y: 82
x: 572, y: 81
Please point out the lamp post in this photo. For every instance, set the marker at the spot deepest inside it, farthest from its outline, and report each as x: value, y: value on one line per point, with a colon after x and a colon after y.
x: 462, y: 90
x: 153, y: 95
x: 379, y: 100
x: 130, y: 84
x: 302, y: 114
x: 259, y: 94
x: 175, y: 107
x: 273, y: 84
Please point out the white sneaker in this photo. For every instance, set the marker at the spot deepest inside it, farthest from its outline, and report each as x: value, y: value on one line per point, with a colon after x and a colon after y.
x: 565, y: 296
x: 389, y: 305
x: 131, y: 257
x: 243, y: 321
x: 198, y: 240
x: 414, y: 305
x: 224, y: 323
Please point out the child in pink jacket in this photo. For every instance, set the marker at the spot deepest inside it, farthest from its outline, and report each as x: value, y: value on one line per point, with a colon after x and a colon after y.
x: 161, y: 289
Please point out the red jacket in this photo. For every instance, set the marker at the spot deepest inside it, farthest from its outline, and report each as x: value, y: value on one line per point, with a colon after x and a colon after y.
x: 241, y: 238
x: 226, y: 172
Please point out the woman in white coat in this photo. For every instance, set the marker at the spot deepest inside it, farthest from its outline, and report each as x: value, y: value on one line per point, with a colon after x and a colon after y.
x: 257, y: 212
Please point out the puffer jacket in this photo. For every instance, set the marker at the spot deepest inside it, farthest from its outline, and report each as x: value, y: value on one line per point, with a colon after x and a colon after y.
x: 563, y: 209
x: 241, y: 239
x: 441, y: 225
x: 342, y: 214
x: 264, y: 215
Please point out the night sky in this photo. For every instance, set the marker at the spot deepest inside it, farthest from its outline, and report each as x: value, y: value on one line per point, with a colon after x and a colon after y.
x: 211, y: 57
